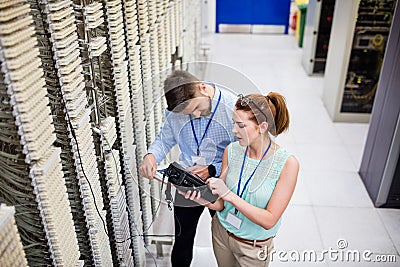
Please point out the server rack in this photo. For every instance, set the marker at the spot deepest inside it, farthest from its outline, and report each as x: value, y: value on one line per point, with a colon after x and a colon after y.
x: 380, y: 166
x: 80, y: 84
x: 356, y: 52
x: 316, y: 35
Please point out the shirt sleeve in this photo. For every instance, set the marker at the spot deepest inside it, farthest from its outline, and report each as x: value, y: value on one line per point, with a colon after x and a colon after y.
x: 164, y: 140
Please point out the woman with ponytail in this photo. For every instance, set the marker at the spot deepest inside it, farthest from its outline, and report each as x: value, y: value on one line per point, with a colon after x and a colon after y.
x: 256, y: 184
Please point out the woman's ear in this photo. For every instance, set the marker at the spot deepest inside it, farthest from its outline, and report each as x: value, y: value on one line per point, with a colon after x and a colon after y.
x: 263, y: 127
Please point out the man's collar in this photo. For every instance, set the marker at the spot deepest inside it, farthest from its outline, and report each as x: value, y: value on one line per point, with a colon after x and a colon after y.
x: 216, y: 91
x: 215, y: 98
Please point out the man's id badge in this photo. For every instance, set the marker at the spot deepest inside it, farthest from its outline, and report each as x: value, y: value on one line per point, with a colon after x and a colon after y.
x: 198, y: 160
x: 233, y: 220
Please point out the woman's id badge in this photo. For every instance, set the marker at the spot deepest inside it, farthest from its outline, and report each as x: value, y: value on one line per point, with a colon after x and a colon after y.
x: 233, y: 220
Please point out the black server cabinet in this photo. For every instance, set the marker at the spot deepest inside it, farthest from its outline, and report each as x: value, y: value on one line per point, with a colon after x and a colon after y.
x: 317, y: 33
x: 372, y: 28
x: 323, y: 34
x: 393, y: 199
x: 380, y: 165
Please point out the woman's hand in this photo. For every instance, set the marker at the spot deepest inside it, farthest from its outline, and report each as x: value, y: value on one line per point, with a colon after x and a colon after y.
x: 219, y: 187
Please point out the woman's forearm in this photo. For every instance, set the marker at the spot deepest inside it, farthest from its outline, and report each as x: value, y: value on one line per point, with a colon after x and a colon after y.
x: 259, y: 216
x: 217, y: 205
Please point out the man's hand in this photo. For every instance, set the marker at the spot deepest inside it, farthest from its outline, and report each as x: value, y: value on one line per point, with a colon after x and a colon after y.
x: 200, y: 170
x: 148, y: 167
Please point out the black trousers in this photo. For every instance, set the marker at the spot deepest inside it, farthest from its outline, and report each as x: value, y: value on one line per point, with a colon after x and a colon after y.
x: 186, y: 220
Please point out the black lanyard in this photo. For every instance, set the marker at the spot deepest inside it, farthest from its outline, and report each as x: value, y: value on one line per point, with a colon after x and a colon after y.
x: 240, y: 194
x: 208, y: 125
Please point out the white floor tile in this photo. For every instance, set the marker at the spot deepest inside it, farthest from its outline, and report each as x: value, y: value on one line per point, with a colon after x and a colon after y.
x: 316, y: 132
x: 153, y: 260
x: 391, y: 220
x: 230, y: 78
x: 299, y: 230
x: 203, y: 234
x: 301, y: 195
x: 336, y: 189
x: 352, y: 133
x: 203, y: 256
x: 164, y: 221
x: 320, y: 157
x: 371, y: 261
x: 286, y: 139
x: 361, y: 228
x: 356, y: 154
x: 285, y: 261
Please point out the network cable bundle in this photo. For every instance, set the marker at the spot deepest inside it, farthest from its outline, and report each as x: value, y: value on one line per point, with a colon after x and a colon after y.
x: 139, y: 66
x: 31, y: 177
x: 172, y: 20
x: 161, y: 30
x: 191, y: 13
x: 177, y: 25
x: 156, y: 107
x: 60, y: 121
x: 112, y: 67
x: 139, y: 62
x: 157, y: 90
x: 11, y: 250
x: 81, y: 88
x: 116, y: 195
x: 62, y: 26
x: 144, y: 39
x: 137, y: 107
x: 92, y: 45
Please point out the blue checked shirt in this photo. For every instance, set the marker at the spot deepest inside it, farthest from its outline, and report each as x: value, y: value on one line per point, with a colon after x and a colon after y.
x: 177, y: 130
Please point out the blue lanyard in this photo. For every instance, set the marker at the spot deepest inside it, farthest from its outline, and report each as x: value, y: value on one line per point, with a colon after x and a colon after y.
x: 251, y: 176
x: 208, y: 125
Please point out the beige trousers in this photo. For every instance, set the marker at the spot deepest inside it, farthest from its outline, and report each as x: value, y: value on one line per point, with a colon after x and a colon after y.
x: 230, y: 252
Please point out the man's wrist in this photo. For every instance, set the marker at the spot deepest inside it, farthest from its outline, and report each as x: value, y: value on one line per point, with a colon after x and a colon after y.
x: 148, y: 154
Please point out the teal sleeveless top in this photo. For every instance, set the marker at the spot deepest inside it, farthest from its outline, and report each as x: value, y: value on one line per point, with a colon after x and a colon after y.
x: 258, y: 191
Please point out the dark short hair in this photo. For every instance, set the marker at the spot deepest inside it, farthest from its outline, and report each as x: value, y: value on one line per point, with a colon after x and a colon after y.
x: 179, y: 87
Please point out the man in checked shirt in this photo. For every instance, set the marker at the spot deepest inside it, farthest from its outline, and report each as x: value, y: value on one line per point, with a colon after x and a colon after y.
x: 199, y: 120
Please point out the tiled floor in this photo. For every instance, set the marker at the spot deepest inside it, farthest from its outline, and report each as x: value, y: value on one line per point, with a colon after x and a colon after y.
x: 330, y: 202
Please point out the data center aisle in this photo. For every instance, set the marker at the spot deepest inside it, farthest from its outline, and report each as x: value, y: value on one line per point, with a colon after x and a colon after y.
x: 330, y: 206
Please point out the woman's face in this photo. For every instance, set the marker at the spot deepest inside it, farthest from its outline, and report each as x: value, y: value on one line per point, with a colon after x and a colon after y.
x: 246, y: 131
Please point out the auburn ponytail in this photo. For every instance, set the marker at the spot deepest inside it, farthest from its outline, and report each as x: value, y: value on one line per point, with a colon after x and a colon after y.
x: 277, y: 104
